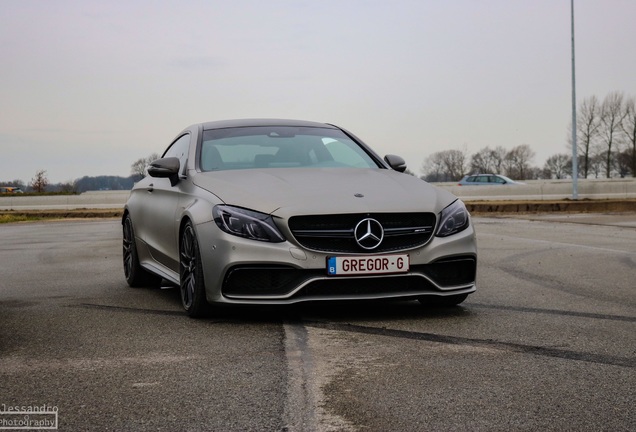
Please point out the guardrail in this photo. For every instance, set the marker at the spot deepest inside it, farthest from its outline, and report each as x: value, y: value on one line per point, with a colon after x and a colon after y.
x: 533, y: 190
x: 86, y: 200
x: 547, y: 190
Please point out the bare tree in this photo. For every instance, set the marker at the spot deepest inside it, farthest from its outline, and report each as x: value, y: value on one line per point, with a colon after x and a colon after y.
x: 488, y: 160
x: 480, y: 162
x: 623, y: 163
x: 517, y: 162
x: 629, y: 129
x: 587, y: 126
x: 611, y: 118
x: 139, y: 166
x: 596, y: 164
x: 558, y: 166
x: 69, y: 187
x: 455, y: 163
x: 497, y: 157
x: 40, y: 181
x: 446, y: 165
x: 433, y: 168
x: 534, y: 173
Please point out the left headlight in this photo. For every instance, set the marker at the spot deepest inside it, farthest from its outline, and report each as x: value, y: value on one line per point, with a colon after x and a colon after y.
x: 247, y: 223
x: 453, y: 219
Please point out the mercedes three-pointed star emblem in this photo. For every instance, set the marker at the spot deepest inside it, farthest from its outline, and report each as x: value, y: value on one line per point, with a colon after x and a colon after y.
x: 369, y: 233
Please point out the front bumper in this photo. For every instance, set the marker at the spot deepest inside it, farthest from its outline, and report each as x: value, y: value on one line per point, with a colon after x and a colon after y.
x: 242, y: 271
x: 287, y: 283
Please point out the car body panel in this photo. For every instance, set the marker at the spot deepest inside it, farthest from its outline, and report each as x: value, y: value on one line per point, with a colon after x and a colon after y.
x: 321, y: 190
x: 227, y: 252
x: 160, y: 207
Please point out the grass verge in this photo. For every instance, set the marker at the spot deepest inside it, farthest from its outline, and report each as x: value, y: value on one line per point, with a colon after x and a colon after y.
x: 8, y: 216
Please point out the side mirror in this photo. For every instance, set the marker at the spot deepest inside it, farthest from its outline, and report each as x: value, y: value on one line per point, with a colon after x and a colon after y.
x: 165, y: 168
x: 396, y: 162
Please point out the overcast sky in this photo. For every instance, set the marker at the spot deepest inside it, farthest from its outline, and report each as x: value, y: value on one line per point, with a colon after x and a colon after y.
x: 88, y: 87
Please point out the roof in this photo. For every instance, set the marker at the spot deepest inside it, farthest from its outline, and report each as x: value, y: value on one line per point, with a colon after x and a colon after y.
x: 263, y: 122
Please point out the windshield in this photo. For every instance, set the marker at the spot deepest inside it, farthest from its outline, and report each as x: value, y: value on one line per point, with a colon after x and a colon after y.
x: 280, y: 147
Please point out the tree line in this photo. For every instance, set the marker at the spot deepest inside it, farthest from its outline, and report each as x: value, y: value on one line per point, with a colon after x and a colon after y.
x: 40, y: 182
x: 452, y: 165
x: 606, y: 135
x: 606, y: 146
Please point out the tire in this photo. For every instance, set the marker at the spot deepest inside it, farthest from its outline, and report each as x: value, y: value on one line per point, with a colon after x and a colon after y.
x: 191, y: 285
x: 442, y: 301
x: 135, y: 274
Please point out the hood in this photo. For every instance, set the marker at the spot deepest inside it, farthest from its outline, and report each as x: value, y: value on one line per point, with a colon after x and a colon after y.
x: 292, y: 191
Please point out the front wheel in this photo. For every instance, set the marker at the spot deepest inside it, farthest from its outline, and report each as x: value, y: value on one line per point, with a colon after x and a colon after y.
x: 442, y: 301
x: 191, y: 283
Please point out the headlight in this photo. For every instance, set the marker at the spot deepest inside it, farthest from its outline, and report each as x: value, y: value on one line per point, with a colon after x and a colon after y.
x: 453, y: 219
x: 247, y: 223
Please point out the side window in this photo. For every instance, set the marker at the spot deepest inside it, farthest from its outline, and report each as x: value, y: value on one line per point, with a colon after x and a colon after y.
x: 179, y: 149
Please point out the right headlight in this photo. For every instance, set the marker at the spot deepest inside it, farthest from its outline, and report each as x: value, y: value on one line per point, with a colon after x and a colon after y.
x: 247, y: 223
x: 453, y: 219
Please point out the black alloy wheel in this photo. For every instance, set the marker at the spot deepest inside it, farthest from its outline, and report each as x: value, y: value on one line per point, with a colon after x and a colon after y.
x: 191, y: 284
x: 135, y: 274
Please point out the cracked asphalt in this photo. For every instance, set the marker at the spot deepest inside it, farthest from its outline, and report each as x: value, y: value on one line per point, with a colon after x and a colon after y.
x: 546, y: 343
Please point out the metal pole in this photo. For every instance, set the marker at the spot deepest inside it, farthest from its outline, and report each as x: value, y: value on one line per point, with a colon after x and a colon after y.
x: 575, y: 162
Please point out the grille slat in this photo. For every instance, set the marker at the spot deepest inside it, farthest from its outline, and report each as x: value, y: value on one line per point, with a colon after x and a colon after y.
x: 335, y: 233
x: 324, y: 233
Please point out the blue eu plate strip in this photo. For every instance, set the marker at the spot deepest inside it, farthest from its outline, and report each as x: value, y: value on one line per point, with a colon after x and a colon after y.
x: 331, y: 266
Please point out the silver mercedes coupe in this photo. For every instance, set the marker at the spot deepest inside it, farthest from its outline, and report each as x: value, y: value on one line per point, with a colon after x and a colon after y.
x: 270, y: 211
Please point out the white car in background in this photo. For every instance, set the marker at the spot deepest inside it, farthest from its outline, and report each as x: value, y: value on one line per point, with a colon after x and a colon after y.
x: 487, y: 180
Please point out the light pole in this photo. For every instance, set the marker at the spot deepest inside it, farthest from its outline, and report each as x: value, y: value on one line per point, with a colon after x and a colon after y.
x: 575, y: 170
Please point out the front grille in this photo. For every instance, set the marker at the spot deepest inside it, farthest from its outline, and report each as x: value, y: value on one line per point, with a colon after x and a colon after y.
x: 257, y: 280
x: 451, y: 271
x: 335, y: 233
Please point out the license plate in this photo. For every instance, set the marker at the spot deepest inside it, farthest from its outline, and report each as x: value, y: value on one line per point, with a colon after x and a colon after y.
x: 367, y: 265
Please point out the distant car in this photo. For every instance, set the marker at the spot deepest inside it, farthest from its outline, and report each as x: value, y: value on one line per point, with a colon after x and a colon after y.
x: 10, y: 190
x: 487, y: 180
x: 287, y: 211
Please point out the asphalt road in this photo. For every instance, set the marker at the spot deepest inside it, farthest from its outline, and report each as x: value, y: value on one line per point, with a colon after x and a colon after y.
x: 547, y: 342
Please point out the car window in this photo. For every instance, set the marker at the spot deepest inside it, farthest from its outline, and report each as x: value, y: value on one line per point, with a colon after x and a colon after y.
x: 280, y: 147
x: 346, y: 152
x: 179, y: 149
x: 496, y: 179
